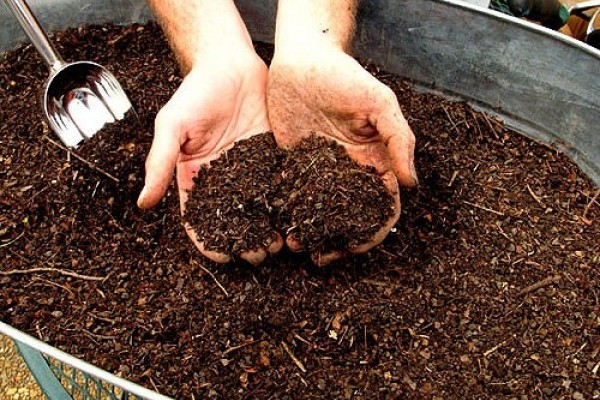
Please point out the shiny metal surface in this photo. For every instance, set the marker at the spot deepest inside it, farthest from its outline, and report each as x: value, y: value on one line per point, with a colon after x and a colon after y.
x: 79, y: 98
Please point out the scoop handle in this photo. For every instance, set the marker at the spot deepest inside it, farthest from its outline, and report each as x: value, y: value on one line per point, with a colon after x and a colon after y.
x: 36, y: 34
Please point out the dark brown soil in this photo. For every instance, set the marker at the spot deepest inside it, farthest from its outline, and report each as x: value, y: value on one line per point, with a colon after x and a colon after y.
x: 488, y: 288
x: 314, y: 191
x: 327, y: 200
x: 230, y: 204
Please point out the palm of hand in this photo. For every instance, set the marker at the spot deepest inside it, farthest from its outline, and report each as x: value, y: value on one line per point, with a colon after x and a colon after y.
x: 211, y: 110
x: 336, y: 98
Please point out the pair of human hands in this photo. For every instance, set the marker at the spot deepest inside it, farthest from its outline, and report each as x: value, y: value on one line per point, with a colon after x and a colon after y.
x: 227, y: 99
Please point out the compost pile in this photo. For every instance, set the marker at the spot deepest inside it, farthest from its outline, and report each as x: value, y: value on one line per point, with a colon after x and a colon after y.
x: 487, y: 287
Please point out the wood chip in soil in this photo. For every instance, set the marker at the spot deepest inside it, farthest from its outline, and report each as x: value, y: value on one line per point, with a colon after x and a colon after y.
x: 488, y: 288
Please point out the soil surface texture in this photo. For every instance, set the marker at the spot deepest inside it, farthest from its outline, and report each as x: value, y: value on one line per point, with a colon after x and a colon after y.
x: 230, y: 204
x: 314, y: 191
x: 488, y: 286
x: 326, y: 200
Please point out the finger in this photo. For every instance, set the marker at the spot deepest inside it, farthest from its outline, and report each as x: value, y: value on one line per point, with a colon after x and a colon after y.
x: 161, y: 161
x: 276, y: 245
x: 254, y: 257
x: 399, y: 140
x: 215, y: 256
x: 323, y: 259
x: 391, y: 183
x: 293, y: 243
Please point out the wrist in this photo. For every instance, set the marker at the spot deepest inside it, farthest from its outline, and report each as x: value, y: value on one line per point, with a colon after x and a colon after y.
x: 197, y: 29
x: 306, y: 26
x: 229, y: 54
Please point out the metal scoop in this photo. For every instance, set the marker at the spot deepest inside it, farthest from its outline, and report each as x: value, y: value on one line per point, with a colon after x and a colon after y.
x: 79, y: 97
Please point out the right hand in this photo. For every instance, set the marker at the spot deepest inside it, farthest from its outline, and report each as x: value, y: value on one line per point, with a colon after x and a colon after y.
x: 220, y: 101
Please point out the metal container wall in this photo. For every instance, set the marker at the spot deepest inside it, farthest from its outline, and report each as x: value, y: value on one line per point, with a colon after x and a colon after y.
x: 541, y: 83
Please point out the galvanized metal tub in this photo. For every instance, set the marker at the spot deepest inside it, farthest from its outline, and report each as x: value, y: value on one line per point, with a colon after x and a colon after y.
x: 540, y: 83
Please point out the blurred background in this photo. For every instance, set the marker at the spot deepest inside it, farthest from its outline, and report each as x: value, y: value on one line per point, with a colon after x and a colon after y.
x: 579, y: 19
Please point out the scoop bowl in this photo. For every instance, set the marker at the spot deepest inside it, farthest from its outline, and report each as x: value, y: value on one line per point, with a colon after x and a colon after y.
x: 80, y: 98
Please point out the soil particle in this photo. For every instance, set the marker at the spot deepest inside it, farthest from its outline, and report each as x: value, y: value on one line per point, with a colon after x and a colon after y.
x: 488, y: 288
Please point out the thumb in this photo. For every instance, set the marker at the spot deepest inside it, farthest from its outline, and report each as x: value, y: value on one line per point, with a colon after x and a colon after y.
x: 399, y: 140
x: 161, y: 161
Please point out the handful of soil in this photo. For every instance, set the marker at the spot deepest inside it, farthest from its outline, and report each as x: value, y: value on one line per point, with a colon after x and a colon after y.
x: 327, y: 200
x: 229, y: 205
x: 314, y: 191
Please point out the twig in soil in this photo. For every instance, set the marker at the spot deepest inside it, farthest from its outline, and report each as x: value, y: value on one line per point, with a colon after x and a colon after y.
x: 476, y: 122
x: 489, y: 124
x: 203, y: 268
x: 97, y: 336
x: 483, y: 208
x: 12, y: 240
x: 375, y: 282
x: 293, y: 357
x: 588, y: 206
x: 496, y: 347
x: 450, y: 119
x: 38, y: 193
x: 532, y: 193
x: 454, y: 175
x: 152, y: 383
x: 241, y: 346
x: 387, y: 253
x: 83, y: 160
x: 54, y: 270
x: 504, y: 234
x: 101, y: 318
x: 300, y: 338
x: 540, y: 284
x: 120, y: 37
x: 51, y: 283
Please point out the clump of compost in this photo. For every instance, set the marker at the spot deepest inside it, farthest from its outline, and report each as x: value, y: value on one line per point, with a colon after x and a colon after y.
x: 314, y: 191
x: 229, y: 205
x: 327, y: 200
